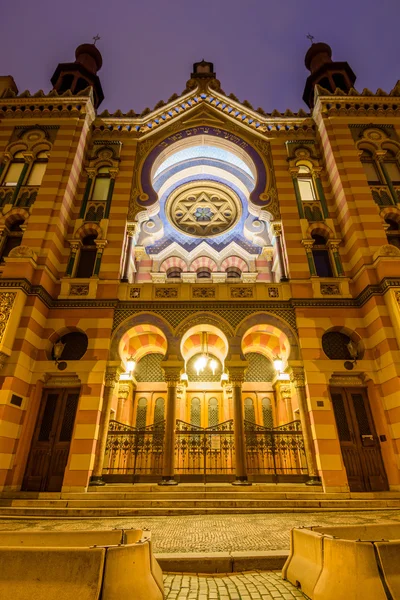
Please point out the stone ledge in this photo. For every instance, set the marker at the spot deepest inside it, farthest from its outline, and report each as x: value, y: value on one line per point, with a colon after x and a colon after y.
x: 222, y: 562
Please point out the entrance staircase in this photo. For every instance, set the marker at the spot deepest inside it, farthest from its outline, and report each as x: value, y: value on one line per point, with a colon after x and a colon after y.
x: 118, y: 500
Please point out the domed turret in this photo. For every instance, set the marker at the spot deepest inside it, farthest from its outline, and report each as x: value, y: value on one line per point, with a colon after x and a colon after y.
x: 81, y: 74
x: 325, y: 72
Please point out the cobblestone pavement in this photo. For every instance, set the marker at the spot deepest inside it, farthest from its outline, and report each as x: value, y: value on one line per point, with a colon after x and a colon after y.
x: 260, y: 585
x: 211, y: 533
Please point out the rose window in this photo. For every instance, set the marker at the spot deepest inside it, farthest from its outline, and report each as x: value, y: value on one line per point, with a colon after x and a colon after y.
x: 203, y: 209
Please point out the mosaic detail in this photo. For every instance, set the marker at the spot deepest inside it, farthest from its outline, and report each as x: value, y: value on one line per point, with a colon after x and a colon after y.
x: 6, y: 303
x: 204, y: 292
x: 79, y: 290
x: 330, y: 289
x: 241, y: 292
x: 166, y: 292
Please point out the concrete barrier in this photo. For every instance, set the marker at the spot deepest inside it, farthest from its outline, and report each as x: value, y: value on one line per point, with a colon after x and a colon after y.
x: 338, y: 563
x: 89, y: 565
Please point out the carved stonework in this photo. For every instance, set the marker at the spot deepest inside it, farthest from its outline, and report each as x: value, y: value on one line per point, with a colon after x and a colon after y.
x: 112, y: 376
x: 286, y: 392
x: 387, y: 250
x: 6, y: 303
x: 203, y: 292
x: 123, y: 390
x: 172, y: 376
x: 343, y: 380
x: 3, y: 359
x: 241, y: 292
x: 134, y: 293
x: 79, y: 290
x: 297, y: 377
x: 397, y: 294
x: 273, y: 292
x: 236, y: 376
x: 166, y: 292
x: 158, y: 277
x: 22, y: 252
x: 330, y: 289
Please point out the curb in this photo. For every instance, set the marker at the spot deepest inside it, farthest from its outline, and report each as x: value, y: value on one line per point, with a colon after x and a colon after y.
x: 222, y: 562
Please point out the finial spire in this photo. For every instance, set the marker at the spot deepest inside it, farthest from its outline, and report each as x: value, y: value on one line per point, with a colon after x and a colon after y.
x: 96, y: 38
x: 310, y: 37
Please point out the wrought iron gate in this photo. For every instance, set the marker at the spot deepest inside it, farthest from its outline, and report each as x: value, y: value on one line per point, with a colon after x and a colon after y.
x: 132, y: 452
x: 277, y: 452
x: 205, y: 453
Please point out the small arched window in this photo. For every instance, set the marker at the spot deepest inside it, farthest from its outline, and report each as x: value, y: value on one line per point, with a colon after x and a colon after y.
x: 141, y: 413
x: 174, y: 273
x: 14, y: 170
x: 306, y: 184
x: 370, y: 169
x: 204, y: 273
x: 233, y: 273
x: 322, y: 261
x: 392, y: 167
x: 393, y: 232
x: 101, y: 184
x: 249, y: 412
x: 213, y: 412
x: 38, y: 169
x: 87, y: 257
x: 268, y: 420
x: 159, y: 408
x: 13, y: 239
x: 195, y: 413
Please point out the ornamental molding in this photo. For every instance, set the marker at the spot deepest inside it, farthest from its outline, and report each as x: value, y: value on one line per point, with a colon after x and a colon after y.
x: 241, y: 292
x: 330, y: 289
x: 79, y: 290
x: 7, y: 300
x: 345, y: 379
x: 203, y: 292
x: 111, y: 376
x: 166, y: 292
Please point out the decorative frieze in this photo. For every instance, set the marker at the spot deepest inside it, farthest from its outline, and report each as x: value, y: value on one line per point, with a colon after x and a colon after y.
x: 203, y: 292
x: 79, y: 290
x: 166, y: 292
x: 134, y: 292
x: 6, y: 303
x: 241, y: 292
x: 273, y: 292
x: 330, y: 289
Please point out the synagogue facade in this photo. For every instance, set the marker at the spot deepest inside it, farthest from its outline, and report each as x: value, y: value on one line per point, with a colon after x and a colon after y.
x: 201, y: 292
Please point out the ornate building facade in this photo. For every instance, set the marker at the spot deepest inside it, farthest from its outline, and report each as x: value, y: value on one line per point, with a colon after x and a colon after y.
x: 203, y: 291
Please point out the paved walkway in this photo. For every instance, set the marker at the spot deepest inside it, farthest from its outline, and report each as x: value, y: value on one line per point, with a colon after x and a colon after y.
x: 211, y: 533
x: 265, y: 585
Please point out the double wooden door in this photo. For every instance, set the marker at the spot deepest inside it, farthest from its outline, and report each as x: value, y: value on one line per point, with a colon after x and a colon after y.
x: 51, y: 440
x: 358, y: 440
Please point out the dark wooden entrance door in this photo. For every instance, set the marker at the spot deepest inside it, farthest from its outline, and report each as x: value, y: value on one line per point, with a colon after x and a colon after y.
x: 358, y: 440
x: 51, y: 441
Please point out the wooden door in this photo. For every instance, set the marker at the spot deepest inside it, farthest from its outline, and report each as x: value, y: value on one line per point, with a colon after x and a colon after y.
x: 51, y: 440
x: 358, y: 440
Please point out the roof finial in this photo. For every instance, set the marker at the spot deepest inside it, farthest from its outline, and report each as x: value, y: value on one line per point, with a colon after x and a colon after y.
x: 96, y: 39
x: 310, y: 37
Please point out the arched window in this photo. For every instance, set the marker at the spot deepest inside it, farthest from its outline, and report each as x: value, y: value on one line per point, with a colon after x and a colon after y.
x: 392, y: 167
x: 249, y: 412
x: 13, y: 239
x: 321, y: 256
x: 195, y: 414
x: 101, y: 184
x: 213, y: 412
x: 174, y: 273
x: 370, y: 168
x: 87, y: 257
x: 336, y: 345
x: 38, y: 169
x: 233, y: 273
x: 141, y: 413
x: 159, y: 408
x: 14, y: 170
x: 393, y: 232
x: 203, y: 273
x: 268, y: 420
x: 306, y: 184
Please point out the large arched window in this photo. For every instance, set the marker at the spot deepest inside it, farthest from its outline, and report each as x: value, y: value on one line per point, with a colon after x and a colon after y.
x: 101, y: 184
x: 38, y: 169
x: 370, y: 168
x: 393, y: 232
x: 392, y: 167
x: 306, y: 184
x: 13, y: 173
x: 141, y: 413
x: 13, y: 239
x: 322, y: 261
x: 87, y: 257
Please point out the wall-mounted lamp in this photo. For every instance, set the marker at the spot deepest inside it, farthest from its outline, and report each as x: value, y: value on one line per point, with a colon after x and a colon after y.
x: 130, y: 364
x: 224, y: 377
x: 278, y: 364
x: 58, y: 348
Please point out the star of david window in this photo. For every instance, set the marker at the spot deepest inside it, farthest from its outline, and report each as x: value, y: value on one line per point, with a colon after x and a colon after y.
x: 203, y: 209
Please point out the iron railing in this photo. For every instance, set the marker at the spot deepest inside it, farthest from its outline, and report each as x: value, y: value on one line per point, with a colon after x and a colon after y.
x: 132, y: 451
x: 278, y: 451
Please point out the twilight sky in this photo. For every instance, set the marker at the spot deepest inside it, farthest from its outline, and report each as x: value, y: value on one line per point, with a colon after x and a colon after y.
x: 149, y: 46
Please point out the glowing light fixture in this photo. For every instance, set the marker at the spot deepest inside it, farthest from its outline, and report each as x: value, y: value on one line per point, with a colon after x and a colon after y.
x: 130, y: 364
x: 58, y: 350
x: 204, y: 360
x: 278, y: 364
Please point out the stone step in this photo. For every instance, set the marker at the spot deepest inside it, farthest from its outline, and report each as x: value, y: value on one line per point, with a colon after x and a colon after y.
x: 86, y: 512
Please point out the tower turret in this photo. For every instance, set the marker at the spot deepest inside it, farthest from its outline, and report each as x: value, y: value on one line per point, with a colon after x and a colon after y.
x: 78, y: 75
x: 325, y: 72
